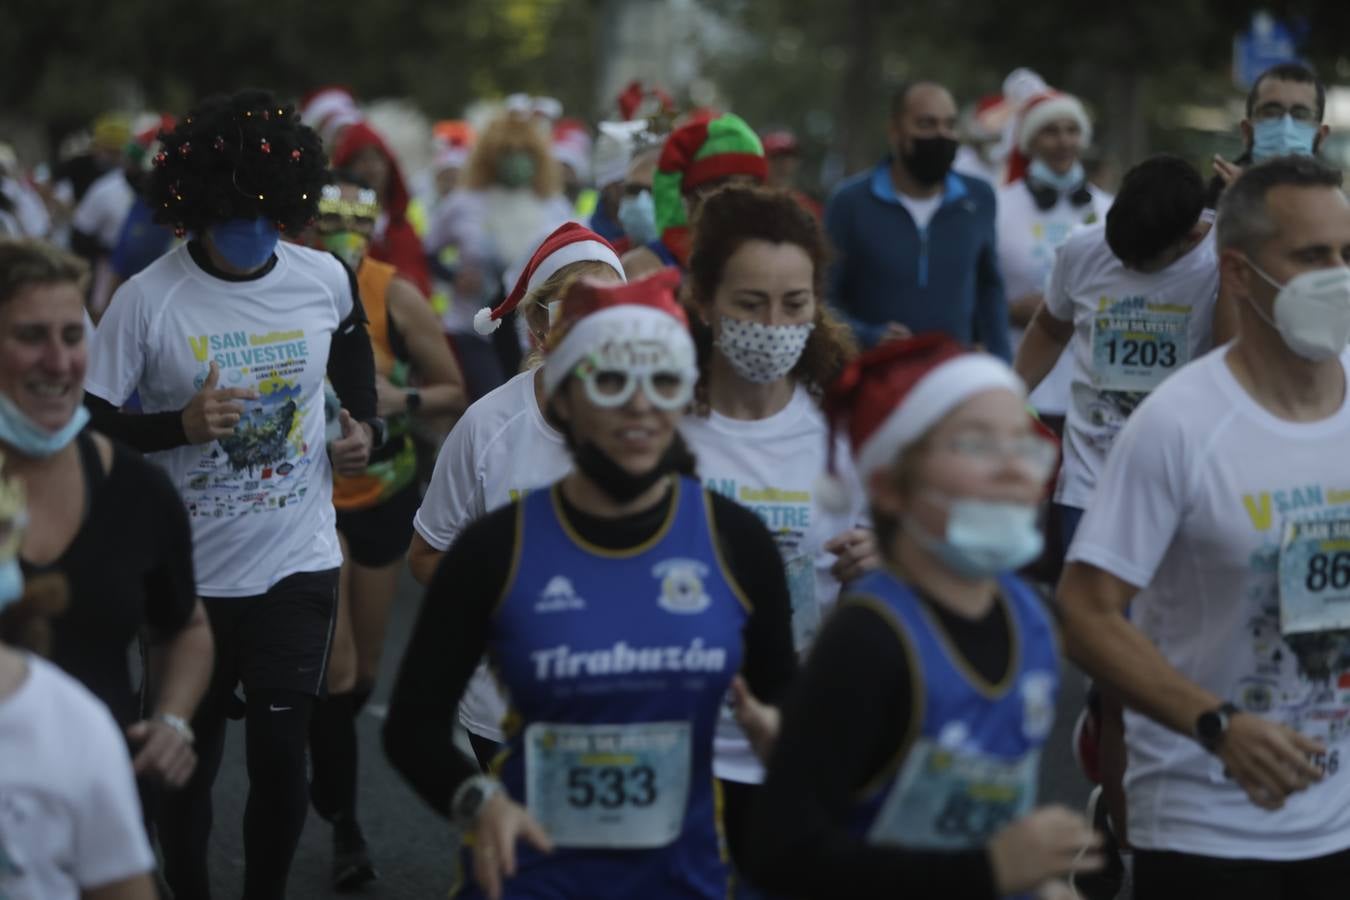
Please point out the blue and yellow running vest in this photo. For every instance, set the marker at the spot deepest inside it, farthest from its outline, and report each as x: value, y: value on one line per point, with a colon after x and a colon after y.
x: 616, y: 664
x: 971, y: 765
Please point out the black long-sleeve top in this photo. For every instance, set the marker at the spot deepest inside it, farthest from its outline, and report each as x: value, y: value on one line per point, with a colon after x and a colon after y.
x: 351, y: 369
x: 843, y: 728
x: 451, y: 634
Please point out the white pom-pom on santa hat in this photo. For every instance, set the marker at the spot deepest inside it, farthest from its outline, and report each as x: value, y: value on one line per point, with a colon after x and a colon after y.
x: 832, y: 494
x: 571, y: 243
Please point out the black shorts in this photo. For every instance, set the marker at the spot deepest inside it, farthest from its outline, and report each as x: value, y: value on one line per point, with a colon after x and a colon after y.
x: 278, y: 640
x: 379, y: 535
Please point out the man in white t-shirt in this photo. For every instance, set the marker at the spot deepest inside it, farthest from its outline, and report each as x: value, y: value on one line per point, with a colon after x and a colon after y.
x: 1221, y: 521
x: 1136, y: 296
x: 228, y: 339
x: 1047, y: 197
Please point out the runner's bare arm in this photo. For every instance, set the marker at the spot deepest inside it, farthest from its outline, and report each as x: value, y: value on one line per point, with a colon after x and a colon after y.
x: 1041, y: 346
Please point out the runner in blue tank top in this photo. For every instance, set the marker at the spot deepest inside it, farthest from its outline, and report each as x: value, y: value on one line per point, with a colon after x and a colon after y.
x: 616, y: 609
x: 907, y: 764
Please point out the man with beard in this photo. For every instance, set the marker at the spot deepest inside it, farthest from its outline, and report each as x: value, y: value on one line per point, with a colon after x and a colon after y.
x: 915, y: 240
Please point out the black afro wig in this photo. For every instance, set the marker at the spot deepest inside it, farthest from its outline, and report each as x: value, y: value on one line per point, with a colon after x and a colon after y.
x: 238, y: 157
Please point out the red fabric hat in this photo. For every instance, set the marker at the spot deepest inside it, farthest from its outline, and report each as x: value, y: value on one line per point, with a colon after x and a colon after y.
x: 777, y: 143
x: 894, y: 393
x: 570, y: 243
x: 645, y: 310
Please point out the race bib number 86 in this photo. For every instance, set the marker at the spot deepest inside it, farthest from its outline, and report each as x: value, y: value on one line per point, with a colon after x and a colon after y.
x: 1315, y: 576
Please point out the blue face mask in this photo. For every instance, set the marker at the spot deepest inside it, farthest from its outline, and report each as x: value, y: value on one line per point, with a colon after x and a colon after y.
x: 1282, y: 137
x: 1047, y: 176
x: 245, y: 243
x: 637, y: 215
x: 984, y: 538
x: 31, y: 439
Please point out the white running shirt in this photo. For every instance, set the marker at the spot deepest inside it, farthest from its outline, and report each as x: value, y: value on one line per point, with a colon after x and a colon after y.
x: 260, y: 502
x: 70, y: 819
x: 1131, y: 331
x: 499, y: 450
x: 1200, y: 492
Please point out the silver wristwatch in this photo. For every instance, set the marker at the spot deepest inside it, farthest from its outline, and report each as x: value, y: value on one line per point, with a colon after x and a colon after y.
x: 469, y: 799
x: 178, y: 724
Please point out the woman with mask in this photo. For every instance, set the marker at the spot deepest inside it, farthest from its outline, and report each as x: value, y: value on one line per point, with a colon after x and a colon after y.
x: 510, y: 194
x: 907, y: 761
x: 637, y: 209
x: 69, y: 820
x: 642, y: 598
x: 100, y: 515
x: 374, y: 509
x: 505, y: 446
x: 769, y: 347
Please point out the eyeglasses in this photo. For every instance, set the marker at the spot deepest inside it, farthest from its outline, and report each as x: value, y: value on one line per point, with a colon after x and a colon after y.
x: 612, y: 388
x: 1032, y: 451
x: 1269, y: 111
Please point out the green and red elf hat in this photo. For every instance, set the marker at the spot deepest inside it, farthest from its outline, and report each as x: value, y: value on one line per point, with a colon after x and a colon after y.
x: 693, y: 155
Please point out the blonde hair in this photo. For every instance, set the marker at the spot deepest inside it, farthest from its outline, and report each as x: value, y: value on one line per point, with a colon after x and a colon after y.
x: 511, y: 133
x: 536, y: 302
x: 27, y: 262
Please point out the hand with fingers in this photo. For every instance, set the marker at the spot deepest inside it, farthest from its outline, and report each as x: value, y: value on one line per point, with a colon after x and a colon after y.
x: 856, y: 552
x: 500, y: 825
x: 213, y: 412
x: 164, y: 752
x: 1042, y: 846
x: 351, y: 452
x: 759, y: 721
x: 1269, y: 760
x: 1228, y: 172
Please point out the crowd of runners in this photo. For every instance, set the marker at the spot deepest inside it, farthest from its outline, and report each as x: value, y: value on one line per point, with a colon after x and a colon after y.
x: 754, y: 545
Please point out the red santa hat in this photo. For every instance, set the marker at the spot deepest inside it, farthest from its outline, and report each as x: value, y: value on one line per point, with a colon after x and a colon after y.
x: 893, y: 394
x: 570, y: 243
x: 1039, y: 111
x: 329, y: 108
x: 595, y: 315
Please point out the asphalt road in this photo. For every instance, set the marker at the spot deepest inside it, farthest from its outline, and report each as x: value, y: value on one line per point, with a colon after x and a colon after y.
x: 413, y: 848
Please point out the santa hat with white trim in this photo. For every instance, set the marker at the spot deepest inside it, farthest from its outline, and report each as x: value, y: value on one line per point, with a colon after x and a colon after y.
x: 1036, y: 113
x: 893, y: 394
x: 644, y: 313
x: 570, y: 243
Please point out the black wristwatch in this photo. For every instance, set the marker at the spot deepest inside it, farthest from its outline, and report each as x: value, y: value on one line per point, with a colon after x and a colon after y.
x: 412, y: 399
x: 470, y: 798
x: 1212, y: 725
x: 379, y: 431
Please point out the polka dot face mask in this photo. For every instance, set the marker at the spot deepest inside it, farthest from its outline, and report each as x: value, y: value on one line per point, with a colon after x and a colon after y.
x: 762, y: 353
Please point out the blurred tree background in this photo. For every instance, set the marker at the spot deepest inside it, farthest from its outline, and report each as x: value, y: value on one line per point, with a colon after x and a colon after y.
x: 822, y: 67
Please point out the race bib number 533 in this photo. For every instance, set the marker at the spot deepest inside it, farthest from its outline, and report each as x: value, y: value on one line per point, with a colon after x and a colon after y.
x: 621, y: 786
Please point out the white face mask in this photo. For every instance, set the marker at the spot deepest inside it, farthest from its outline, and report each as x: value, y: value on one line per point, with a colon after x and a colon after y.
x: 762, y: 354
x: 1312, y: 311
x: 984, y: 537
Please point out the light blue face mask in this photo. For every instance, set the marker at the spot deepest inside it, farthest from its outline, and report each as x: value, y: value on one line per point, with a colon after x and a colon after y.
x: 1047, y: 176
x: 245, y: 243
x: 1282, y: 137
x: 637, y: 215
x: 31, y: 439
x: 984, y: 538
x: 11, y: 582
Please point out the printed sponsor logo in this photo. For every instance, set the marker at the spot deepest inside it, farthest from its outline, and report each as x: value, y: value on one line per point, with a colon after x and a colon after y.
x: 562, y: 662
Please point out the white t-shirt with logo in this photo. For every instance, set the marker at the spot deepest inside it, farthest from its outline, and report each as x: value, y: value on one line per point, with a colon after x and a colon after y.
x: 772, y: 467
x: 1131, y: 331
x: 1028, y: 237
x: 1219, y: 512
x: 499, y: 450
x: 261, y: 501
x: 70, y: 820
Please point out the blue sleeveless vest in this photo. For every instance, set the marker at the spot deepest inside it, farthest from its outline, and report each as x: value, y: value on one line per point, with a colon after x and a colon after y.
x: 971, y: 765
x: 616, y: 664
